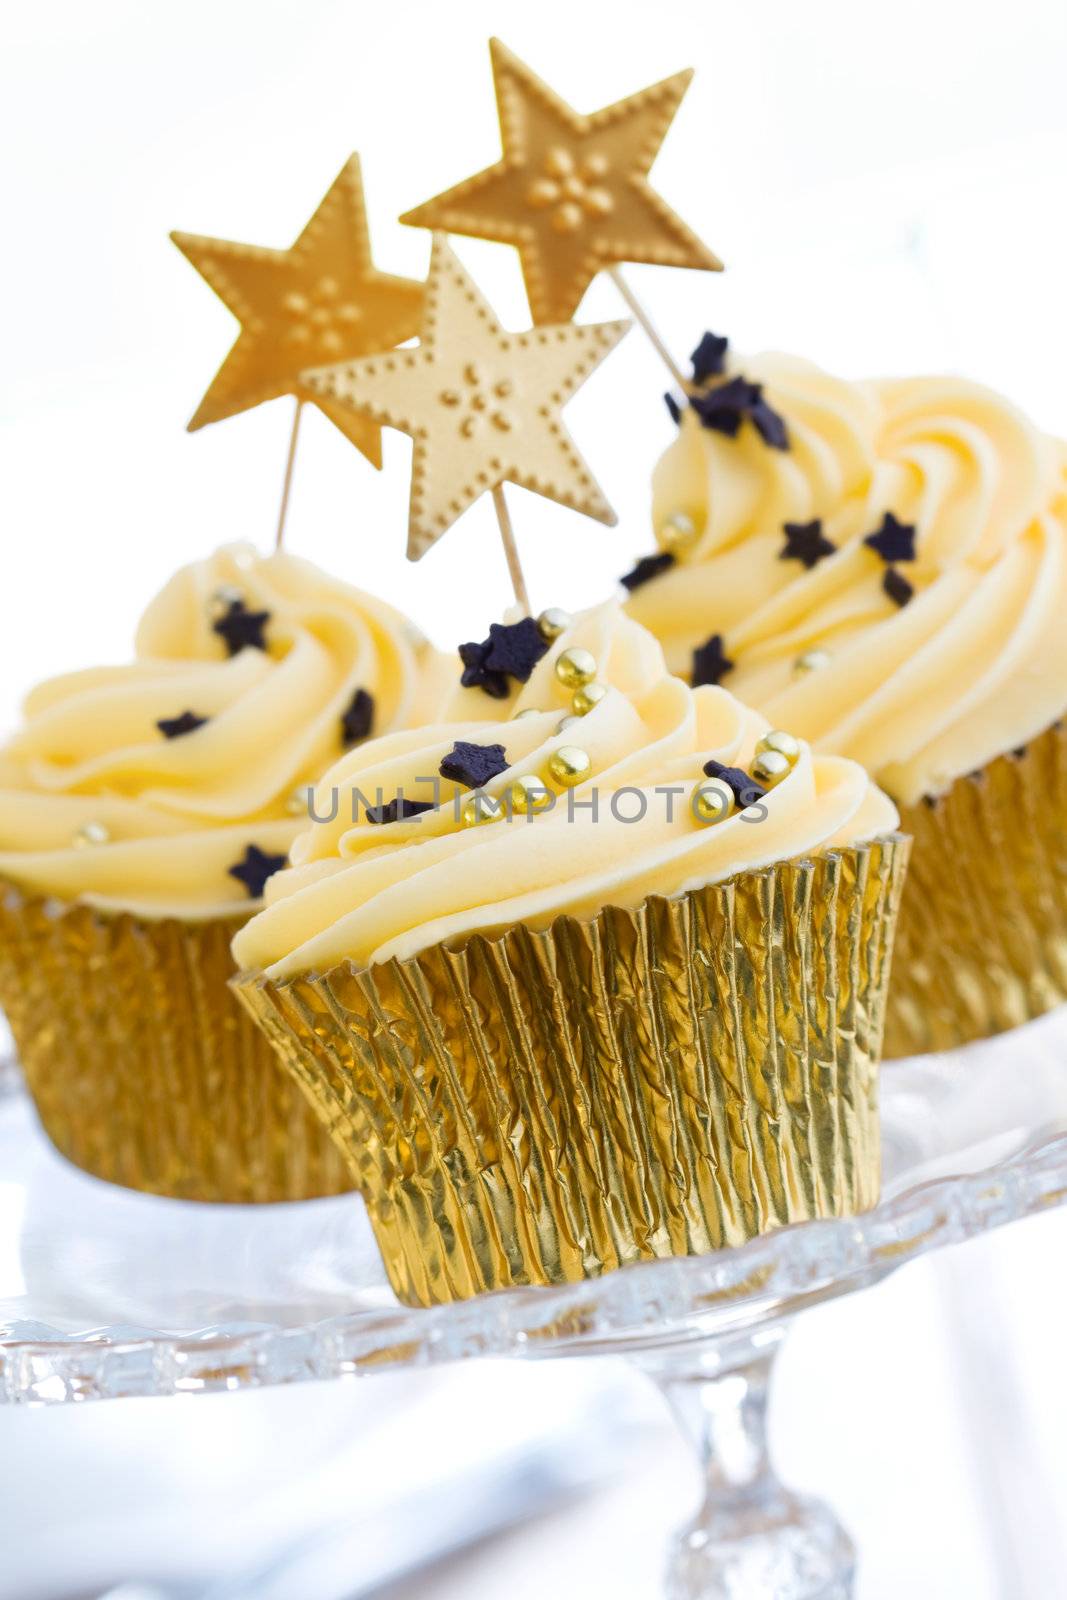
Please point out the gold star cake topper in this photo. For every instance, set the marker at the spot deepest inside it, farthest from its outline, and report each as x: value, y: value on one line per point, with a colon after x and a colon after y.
x: 323, y: 299
x: 571, y: 192
x: 482, y: 405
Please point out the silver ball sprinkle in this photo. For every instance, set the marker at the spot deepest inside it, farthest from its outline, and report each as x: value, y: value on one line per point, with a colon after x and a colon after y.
x: 811, y: 661
x: 89, y: 834
x: 299, y: 802
x: 677, y: 532
x: 222, y: 598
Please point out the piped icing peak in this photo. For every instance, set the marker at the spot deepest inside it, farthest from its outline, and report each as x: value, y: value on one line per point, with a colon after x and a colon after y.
x: 142, y: 787
x: 911, y: 544
x: 593, y: 809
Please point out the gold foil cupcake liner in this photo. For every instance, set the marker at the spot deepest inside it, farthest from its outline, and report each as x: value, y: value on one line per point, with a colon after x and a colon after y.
x: 143, y: 1068
x: 982, y: 941
x: 543, y: 1106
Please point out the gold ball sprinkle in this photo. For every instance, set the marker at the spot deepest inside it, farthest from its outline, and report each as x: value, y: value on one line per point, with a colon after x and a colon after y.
x: 553, y: 622
x: 527, y: 711
x: 678, y: 531
x: 713, y: 801
x: 811, y: 661
x: 567, y: 722
x: 479, y: 808
x: 575, y: 667
x: 569, y: 765
x: 529, y: 793
x: 584, y: 699
x: 90, y: 833
x: 784, y: 743
x: 770, y: 767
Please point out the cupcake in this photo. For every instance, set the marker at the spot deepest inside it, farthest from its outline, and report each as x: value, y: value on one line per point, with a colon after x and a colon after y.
x: 595, y: 982
x: 882, y: 568
x: 142, y: 810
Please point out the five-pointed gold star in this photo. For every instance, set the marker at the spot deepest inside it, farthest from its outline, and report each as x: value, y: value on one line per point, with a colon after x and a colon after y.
x: 482, y: 405
x: 571, y: 192
x: 321, y: 300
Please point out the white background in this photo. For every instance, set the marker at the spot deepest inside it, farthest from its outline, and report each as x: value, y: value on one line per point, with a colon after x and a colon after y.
x: 886, y: 185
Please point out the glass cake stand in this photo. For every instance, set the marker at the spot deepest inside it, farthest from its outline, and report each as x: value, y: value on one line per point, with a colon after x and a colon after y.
x: 105, y: 1294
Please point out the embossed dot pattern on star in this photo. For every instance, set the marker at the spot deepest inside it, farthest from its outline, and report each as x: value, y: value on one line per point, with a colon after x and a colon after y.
x: 321, y: 300
x: 483, y: 405
x: 571, y: 192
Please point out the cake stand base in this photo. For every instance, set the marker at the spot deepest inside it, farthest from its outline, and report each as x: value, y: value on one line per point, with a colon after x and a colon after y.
x: 107, y: 1294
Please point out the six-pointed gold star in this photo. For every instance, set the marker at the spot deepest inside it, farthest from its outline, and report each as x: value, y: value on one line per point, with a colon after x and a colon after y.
x: 482, y: 404
x: 321, y: 300
x: 571, y: 192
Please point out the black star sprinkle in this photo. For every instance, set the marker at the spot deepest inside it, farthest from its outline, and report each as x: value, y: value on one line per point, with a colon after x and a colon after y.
x: 897, y: 586
x: 474, y: 764
x: 769, y: 425
x: 398, y: 810
x: 174, y: 727
x: 515, y: 648
x: 358, y: 720
x: 476, y: 674
x: 894, y: 541
x: 710, y: 662
x: 646, y: 569
x: 673, y: 407
x: 746, y: 791
x: 709, y: 357
x: 805, y: 542
x: 725, y: 407
x: 512, y: 650
x: 256, y: 868
x: 241, y: 629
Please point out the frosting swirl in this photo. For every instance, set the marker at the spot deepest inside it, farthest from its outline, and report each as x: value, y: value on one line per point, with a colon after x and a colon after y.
x: 369, y: 892
x: 970, y: 665
x: 161, y: 820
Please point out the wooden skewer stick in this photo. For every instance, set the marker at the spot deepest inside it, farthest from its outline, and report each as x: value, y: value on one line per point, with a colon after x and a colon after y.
x: 287, y: 481
x: 511, y: 550
x: 642, y: 317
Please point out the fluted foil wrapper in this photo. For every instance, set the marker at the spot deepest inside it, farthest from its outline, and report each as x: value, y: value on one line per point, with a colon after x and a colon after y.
x: 143, y: 1068
x: 543, y: 1106
x: 982, y: 941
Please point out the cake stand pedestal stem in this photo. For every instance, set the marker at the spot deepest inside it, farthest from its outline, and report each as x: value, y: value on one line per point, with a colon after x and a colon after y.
x: 752, y: 1538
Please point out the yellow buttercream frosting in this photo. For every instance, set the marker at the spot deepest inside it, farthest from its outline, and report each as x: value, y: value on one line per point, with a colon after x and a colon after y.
x: 367, y: 892
x: 972, y: 665
x: 98, y: 805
